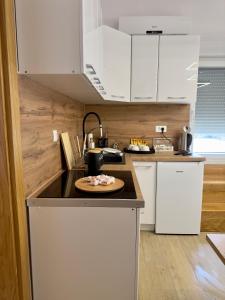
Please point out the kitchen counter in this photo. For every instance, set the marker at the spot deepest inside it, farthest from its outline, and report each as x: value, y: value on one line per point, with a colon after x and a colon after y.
x: 61, y: 192
x: 156, y: 157
x: 128, y: 166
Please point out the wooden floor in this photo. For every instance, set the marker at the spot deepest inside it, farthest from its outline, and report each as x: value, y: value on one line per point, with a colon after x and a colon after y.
x: 179, y: 267
x: 217, y: 241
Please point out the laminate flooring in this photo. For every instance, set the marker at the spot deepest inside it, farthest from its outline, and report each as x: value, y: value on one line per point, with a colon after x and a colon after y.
x: 177, y: 267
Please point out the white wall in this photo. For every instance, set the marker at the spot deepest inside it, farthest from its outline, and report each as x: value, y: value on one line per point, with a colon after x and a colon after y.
x: 208, y: 17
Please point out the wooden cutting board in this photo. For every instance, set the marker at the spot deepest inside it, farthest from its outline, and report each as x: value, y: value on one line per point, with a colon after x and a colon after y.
x: 83, y: 185
x: 68, y: 150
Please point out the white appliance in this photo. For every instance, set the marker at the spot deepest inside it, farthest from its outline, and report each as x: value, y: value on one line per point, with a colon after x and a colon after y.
x: 145, y: 24
x: 146, y: 176
x: 179, y: 197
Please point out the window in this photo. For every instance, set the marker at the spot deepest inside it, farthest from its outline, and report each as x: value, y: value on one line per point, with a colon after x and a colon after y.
x: 209, y: 134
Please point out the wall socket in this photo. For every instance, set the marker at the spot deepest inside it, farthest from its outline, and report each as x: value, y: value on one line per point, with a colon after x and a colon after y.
x: 158, y: 128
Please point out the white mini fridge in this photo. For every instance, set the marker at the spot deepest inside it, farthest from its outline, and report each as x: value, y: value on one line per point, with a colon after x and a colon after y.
x: 179, y: 197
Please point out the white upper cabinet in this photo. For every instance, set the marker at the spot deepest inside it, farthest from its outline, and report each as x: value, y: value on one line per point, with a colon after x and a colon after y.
x: 47, y: 35
x: 178, y: 68
x: 107, y: 59
x: 62, y: 38
x: 144, y: 68
x: 116, y: 64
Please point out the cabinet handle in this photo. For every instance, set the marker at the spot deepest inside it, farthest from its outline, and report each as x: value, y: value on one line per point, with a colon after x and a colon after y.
x: 179, y: 171
x: 143, y: 167
x: 176, y: 98
x: 96, y: 80
x: 91, y: 69
x: 115, y: 96
x: 142, y: 98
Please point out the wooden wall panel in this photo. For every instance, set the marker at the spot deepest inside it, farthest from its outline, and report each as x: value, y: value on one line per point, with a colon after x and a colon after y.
x: 125, y: 121
x: 43, y: 110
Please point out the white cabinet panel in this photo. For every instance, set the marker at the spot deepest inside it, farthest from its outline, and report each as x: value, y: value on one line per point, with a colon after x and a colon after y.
x: 178, y: 68
x: 92, y: 42
x: 146, y: 176
x: 116, y: 64
x: 47, y: 36
x: 84, y: 253
x: 91, y: 15
x: 179, y: 197
x: 107, y: 59
x: 144, y: 68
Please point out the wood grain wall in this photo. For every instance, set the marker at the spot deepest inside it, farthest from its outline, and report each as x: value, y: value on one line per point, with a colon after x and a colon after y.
x: 125, y: 121
x: 43, y: 110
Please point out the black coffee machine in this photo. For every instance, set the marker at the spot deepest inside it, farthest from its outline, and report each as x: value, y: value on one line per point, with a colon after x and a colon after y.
x: 94, y: 160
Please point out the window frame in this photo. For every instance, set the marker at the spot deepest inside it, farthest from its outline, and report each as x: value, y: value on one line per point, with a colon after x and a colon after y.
x: 212, y: 62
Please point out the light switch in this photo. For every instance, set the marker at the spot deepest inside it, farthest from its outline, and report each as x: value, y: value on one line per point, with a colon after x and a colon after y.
x: 55, y: 135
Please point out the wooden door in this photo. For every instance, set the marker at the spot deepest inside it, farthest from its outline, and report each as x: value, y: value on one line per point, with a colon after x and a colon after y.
x: 14, y: 258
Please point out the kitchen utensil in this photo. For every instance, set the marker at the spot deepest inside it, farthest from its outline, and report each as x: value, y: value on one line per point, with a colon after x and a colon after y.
x: 84, y: 144
x: 68, y: 150
x: 94, y: 161
x: 83, y: 185
x: 78, y: 146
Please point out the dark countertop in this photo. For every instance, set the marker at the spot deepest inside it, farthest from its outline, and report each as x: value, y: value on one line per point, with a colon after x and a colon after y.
x: 33, y: 200
x: 62, y: 192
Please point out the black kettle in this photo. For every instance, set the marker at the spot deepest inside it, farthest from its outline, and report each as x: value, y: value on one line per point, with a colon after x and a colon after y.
x: 94, y: 161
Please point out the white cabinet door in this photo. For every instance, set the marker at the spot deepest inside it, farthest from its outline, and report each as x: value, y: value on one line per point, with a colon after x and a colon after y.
x: 84, y: 253
x: 144, y: 68
x: 146, y: 176
x: 48, y: 34
x: 179, y: 197
x: 178, y: 68
x: 92, y: 42
x: 116, y: 64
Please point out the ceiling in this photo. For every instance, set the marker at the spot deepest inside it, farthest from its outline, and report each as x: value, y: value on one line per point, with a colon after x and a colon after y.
x: 208, y: 17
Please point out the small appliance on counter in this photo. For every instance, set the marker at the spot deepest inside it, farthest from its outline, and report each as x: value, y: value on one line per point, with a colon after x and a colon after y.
x: 184, y: 143
x: 94, y: 161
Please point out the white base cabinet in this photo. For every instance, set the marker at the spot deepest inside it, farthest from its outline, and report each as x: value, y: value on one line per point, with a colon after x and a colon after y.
x: 84, y: 252
x: 172, y: 192
x: 179, y: 197
x: 146, y: 176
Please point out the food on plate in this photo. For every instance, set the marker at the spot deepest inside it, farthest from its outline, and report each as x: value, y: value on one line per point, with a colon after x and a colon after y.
x: 144, y: 148
x: 100, y: 180
x: 133, y: 147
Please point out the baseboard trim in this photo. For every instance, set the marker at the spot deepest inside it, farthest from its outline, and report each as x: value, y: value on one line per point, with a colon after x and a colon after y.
x: 148, y: 227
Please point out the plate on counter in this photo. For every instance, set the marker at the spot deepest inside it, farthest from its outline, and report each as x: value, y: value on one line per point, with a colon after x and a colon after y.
x: 151, y: 151
x: 82, y: 185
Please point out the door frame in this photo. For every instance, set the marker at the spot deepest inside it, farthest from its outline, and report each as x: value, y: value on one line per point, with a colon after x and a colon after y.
x: 14, y: 250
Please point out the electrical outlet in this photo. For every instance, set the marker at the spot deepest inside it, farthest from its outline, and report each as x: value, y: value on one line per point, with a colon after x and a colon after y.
x: 55, y: 136
x: 158, y: 128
